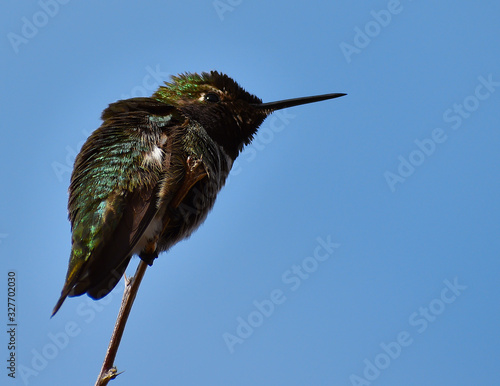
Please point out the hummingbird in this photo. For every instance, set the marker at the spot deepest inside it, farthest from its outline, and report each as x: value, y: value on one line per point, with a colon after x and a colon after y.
x: 149, y: 175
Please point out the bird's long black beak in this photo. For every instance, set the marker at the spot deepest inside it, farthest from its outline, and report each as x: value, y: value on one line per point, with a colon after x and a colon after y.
x: 278, y: 105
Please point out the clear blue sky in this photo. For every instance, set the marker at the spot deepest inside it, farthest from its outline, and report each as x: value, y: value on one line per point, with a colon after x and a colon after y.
x: 369, y: 222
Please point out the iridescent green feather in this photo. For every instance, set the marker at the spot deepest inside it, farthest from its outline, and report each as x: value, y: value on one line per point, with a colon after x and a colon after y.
x: 103, y: 173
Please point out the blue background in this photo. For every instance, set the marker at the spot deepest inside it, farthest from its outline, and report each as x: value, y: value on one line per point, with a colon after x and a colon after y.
x: 320, y: 173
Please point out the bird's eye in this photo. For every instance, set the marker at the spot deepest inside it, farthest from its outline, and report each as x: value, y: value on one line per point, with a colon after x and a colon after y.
x: 212, y: 97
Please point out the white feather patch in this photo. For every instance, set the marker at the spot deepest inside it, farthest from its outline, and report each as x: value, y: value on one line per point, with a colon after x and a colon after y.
x: 153, y: 157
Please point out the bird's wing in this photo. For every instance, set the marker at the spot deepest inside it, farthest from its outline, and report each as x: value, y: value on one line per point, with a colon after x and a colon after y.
x: 114, y: 192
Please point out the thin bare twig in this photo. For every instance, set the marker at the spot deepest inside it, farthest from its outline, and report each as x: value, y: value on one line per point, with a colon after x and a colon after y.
x: 195, y: 171
x: 108, y: 371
